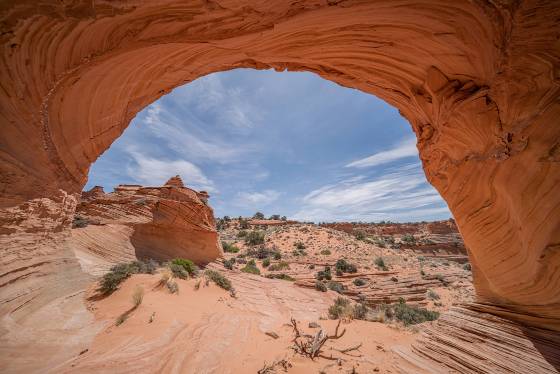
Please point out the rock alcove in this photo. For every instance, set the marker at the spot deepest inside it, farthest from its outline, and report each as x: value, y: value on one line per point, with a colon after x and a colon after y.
x: 478, y: 82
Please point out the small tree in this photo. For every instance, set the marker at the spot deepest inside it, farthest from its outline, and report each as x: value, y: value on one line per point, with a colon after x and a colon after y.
x: 258, y: 215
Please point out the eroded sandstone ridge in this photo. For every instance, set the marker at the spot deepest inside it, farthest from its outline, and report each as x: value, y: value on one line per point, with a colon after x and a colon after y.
x: 477, y: 80
x: 160, y: 223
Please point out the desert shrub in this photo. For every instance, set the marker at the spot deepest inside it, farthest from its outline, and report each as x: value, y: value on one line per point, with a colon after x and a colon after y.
x: 320, y: 286
x: 360, y: 311
x: 299, y: 245
x: 280, y: 276
x: 335, y: 286
x: 408, y: 239
x: 229, y: 248
x: 276, y: 255
x: 380, y: 263
x: 254, y: 238
x: 118, y: 273
x: 360, y: 235
x: 324, y: 274
x: 340, y: 309
x: 395, y: 279
x: 173, y: 287
x: 326, y: 252
x: 219, y: 279
x: 260, y: 253
x: 279, y: 266
x: 241, y: 260
x: 251, y: 268
x: 299, y: 252
x: 258, y: 215
x: 440, y: 278
x: 228, y: 264
x: 432, y: 295
x: 410, y: 315
x: 178, y: 271
x: 266, y: 262
x: 359, y: 282
x: 421, y: 258
x: 242, y: 234
x: 311, y: 267
x: 345, y: 267
x: 137, y: 296
x: 467, y: 266
x: 422, y: 272
x: 79, y: 222
x: 188, y: 265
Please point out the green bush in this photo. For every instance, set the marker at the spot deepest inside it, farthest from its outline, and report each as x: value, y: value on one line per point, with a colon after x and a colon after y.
x: 219, y: 279
x: 242, y: 234
x: 254, y: 238
x: 118, y: 273
x: 345, y: 267
x: 335, y: 286
x: 324, y: 274
x: 340, y: 309
x: 467, y: 267
x: 320, y: 286
x: 326, y: 252
x: 229, y: 248
x: 410, y: 315
x: 266, y: 262
x: 280, y: 276
x: 178, y: 271
x: 279, y: 266
x: 277, y: 255
x: 251, y: 268
x: 188, y: 265
x: 228, y: 264
x: 360, y: 311
x: 408, y: 238
x: 359, y: 282
x: 380, y: 263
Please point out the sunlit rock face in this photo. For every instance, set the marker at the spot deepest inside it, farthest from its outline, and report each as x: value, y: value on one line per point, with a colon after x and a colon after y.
x: 477, y: 80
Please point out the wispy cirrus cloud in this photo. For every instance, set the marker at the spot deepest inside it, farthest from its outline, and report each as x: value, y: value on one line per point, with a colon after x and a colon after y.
x: 186, y: 137
x: 406, y: 148
x: 397, y: 195
x: 155, y: 172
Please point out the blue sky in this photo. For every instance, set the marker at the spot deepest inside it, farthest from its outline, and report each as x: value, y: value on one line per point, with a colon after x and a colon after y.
x: 284, y: 143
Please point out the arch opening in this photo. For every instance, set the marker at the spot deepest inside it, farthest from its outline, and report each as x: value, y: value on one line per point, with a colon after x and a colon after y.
x: 477, y: 82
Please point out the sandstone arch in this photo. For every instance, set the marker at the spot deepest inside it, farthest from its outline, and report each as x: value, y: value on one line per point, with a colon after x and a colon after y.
x: 477, y: 80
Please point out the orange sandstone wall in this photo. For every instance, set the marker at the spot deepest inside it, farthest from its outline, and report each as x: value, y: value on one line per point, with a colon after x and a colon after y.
x: 477, y: 80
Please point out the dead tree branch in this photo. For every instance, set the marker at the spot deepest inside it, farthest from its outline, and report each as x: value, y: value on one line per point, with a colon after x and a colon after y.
x: 311, y: 346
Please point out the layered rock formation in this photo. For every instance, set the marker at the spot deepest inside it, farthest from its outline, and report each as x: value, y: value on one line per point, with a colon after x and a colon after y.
x: 144, y: 222
x: 477, y: 80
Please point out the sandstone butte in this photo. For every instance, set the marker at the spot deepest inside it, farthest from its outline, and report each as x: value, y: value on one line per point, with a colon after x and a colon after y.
x: 477, y: 80
x: 160, y: 223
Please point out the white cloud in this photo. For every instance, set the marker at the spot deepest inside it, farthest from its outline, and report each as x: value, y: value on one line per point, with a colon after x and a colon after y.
x: 232, y: 105
x: 401, y: 195
x: 155, y: 172
x: 406, y: 148
x: 179, y: 135
x: 256, y: 199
